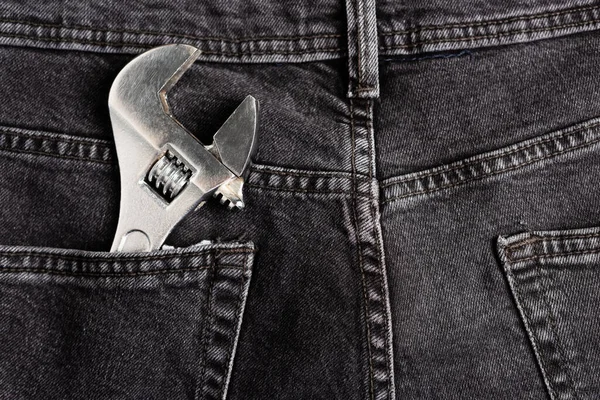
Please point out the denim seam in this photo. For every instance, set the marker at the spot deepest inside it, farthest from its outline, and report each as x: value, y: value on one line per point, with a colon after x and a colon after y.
x: 519, y: 166
x: 305, y: 44
x: 557, y: 239
x: 400, y: 188
x: 370, y: 254
x: 226, y: 326
x: 535, y: 239
x: 510, y: 249
x: 38, y: 143
x: 384, y: 295
x: 242, y: 297
x: 11, y: 270
x: 63, y: 264
x: 500, y: 21
x: 66, y: 157
x: 230, y: 351
x: 518, y: 148
x: 375, y: 234
x: 369, y: 125
x: 296, y: 181
x: 170, y: 34
x: 148, y: 46
x: 205, y: 335
x: 490, y: 36
x: 525, y: 312
x: 41, y: 135
x: 545, y: 25
x: 516, y: 167
x: 542, y: 351
x: 225, y: 308
x: 567, y: 362
x: 307, y: 174
x: 362, y: 49
x: 359, y: 254
x: 125, y: 258
x: 556, y: 255
x: 552, y: 323
x: 306, y: 191
x: 309, y: 48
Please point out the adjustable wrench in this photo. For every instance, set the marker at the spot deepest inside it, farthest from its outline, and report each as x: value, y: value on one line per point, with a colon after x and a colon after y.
x: 165, y: 171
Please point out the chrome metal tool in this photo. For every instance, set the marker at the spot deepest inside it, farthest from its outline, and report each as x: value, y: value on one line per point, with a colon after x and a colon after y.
x: 165, y: 171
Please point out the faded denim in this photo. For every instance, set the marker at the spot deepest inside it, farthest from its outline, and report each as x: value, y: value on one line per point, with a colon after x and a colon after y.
x: 421, y: 221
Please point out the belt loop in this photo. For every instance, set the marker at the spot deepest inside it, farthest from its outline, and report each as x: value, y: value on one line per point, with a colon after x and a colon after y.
x: 363, y: 51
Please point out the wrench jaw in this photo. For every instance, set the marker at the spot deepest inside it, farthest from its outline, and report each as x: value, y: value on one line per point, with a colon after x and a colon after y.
x: 234, y: 144
x: 165, y: 171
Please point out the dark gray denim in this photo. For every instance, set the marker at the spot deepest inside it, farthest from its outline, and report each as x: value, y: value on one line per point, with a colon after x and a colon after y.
x: 422, y: 220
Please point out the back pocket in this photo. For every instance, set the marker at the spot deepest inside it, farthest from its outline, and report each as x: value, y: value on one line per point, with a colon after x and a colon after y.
x: 555, y: 280
x: 86, y: 325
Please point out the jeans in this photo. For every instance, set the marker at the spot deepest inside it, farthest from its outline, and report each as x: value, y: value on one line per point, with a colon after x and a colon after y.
x: 421, y: 222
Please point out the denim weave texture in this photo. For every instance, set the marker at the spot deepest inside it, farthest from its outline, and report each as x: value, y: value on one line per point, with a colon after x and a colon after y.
x: 422, y: 217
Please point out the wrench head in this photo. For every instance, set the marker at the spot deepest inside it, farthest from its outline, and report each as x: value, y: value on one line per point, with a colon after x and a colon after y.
x: 165, y: 171
x: 234, y: 144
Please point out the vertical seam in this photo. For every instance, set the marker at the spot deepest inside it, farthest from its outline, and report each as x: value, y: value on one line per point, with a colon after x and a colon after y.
x: 359, y: 71
x: 381, y: 282
x: 358, y: 48
x: 362, y: 37
x: 359, y: 250
x: 526, y: 311
x: 371, y: 138
x: 206, y: 330
x: 552, y: 322
x: 237, y: 329
x: 370, y: 129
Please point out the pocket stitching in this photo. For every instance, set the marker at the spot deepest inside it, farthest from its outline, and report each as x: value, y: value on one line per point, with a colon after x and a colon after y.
x: 540, y: 238
x: 528, y: 327
x: 230, y: 355
x: 498, y: 172
x: 124, y: 257
x: 564, y: 365
x: 204, y: 388
x: 555, y: 255
x: 492, y: 163
x: 206, y: 332
x: 233, y: 281
x: 548, y: 315
x: 9, y: 270
x: 90, y: 264
x: 518, y: 148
